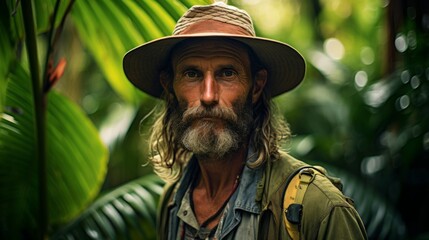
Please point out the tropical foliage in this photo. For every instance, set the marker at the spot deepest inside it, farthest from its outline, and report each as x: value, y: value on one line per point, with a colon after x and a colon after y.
x: 53, y: 162
x: 125, y: 213
x: 362, y: 111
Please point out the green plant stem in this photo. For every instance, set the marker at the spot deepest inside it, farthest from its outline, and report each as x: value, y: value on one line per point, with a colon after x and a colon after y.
x: 39, y: 112
x: 45, y: 78
x: 52, y: 42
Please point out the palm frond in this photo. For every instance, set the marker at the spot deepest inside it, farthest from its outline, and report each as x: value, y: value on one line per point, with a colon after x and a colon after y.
x: 128, y: 212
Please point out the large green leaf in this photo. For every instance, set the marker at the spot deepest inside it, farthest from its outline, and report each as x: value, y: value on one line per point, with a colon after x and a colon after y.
x: 127, y: 212
x: 6, y: 51
x: 12, y: 32
x: 76, y: 159
x: 110, y: 28
x: 43, y: 11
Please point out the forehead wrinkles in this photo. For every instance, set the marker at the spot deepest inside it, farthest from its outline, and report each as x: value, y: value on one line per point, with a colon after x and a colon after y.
x: 209, y: 49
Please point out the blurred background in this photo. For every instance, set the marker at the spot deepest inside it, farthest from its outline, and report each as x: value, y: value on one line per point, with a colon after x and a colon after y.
x: 362, y: 111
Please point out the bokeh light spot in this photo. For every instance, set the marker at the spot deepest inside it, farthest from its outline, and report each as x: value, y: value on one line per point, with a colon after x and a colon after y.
x: 412, y: 39
x: 373, y: 164
x: 90, y: 104
x: 367, y: 56
x: 415, y: 82
x: 426, y: 141
x: 361, y: 79
x: 402, y: 103
x: 405, y: 76
x: 334, y: 48
x: 401, y: 43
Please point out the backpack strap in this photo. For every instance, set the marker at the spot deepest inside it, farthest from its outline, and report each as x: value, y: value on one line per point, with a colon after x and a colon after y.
x: 294, y: 195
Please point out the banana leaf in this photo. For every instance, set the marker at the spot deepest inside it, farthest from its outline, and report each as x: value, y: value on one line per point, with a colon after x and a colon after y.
x: 110, y: 28
x: 76, y: 159
x: 128, y: 212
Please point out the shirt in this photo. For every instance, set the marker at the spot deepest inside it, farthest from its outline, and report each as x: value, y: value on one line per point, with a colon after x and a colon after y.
x: 241, y: 215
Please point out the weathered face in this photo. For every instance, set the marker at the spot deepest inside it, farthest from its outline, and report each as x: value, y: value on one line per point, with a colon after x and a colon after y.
x: 213, y: 85
x: 211, y: 73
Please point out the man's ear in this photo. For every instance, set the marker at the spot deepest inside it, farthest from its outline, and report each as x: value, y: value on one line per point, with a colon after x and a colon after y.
x: 259, y: 84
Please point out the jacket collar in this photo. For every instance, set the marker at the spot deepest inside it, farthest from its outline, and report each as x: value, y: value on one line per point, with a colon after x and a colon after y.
x: 244, y: 199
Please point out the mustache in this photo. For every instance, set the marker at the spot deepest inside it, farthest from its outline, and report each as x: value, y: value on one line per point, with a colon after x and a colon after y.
x: 223, y: 113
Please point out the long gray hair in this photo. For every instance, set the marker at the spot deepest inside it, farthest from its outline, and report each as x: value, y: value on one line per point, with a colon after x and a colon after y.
x: 169, y: 158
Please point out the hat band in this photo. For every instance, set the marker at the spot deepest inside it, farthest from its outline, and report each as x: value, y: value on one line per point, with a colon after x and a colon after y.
x: 213, y: 26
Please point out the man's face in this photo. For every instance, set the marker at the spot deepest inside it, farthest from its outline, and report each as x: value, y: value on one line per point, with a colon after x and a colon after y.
x: 212, y: 83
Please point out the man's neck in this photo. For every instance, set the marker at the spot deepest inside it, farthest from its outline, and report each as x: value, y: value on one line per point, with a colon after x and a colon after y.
x: 220, y: 175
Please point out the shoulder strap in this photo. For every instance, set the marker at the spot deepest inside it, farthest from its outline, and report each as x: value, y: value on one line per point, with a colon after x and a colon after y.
x: 294, y: 195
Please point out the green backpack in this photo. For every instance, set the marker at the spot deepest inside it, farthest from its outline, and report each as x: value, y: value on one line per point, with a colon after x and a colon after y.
x: 294, y: 196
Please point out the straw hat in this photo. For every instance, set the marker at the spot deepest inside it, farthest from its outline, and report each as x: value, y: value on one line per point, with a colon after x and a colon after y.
x: 285, y: 66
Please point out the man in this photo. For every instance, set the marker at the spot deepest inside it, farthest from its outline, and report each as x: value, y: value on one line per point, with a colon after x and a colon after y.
x: 218, y: 141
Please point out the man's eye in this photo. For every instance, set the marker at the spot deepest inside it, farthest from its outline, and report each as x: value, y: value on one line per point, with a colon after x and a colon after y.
x: 228, y: 73
x: 191, y: 74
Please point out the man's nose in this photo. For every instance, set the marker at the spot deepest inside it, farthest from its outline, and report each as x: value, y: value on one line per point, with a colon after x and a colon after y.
x: 209, y: 91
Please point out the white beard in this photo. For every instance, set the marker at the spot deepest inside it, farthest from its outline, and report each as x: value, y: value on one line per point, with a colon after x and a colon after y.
x: 201, y: 137
x: 204, y: 140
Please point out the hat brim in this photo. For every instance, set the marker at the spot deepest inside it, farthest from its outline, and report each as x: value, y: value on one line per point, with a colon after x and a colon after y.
x: 285, y: 66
